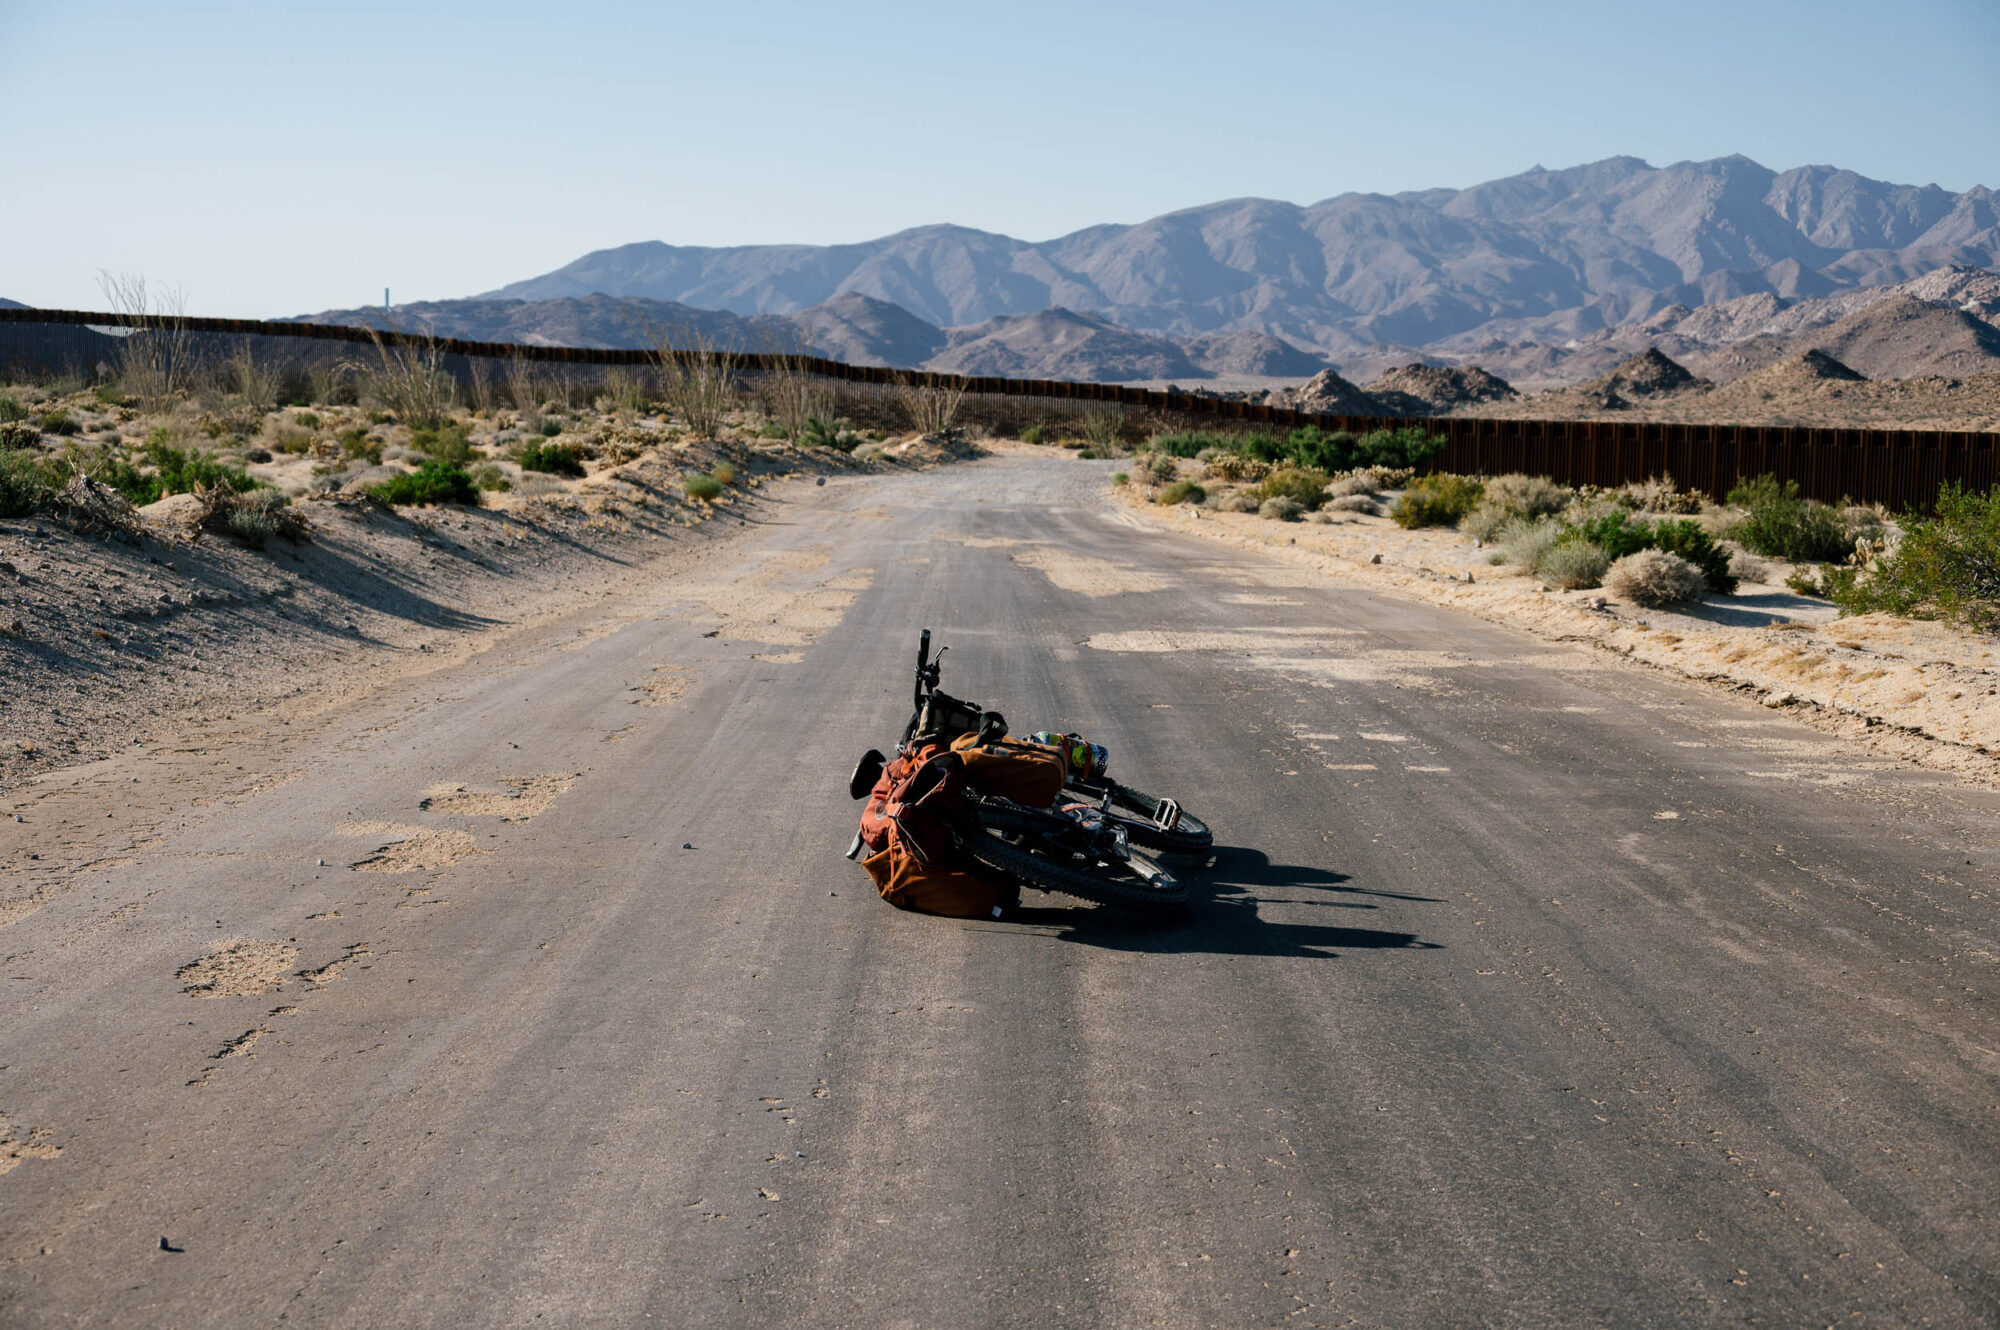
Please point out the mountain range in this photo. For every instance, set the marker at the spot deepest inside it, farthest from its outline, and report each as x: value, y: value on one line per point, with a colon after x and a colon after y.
x: 1544, y: 257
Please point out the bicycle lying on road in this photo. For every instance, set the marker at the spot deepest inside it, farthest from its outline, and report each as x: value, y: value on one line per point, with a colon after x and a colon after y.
x: 1096, y: 840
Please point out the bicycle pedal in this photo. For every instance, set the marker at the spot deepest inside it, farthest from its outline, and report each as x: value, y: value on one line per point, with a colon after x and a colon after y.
x: 1168, y: 815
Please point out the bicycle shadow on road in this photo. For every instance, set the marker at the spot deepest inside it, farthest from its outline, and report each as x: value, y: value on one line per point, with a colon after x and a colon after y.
x: 1223, y: 919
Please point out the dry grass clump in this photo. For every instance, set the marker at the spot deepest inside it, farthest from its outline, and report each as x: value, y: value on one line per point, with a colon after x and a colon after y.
x: 1523, y: 543
x: 1573, y: 565
x: 793, y: 396
x: 697, y: 380
x: 1238, y: 501
x: 1356, y: 503
x: 1155, y: 468
x: 1281, y: 508
x: 1654, y: 578
x: 1513, y: 498
x: 1181, y: 491
x: 930, y: 404
x: 156, y: 361
x: 410, y: 381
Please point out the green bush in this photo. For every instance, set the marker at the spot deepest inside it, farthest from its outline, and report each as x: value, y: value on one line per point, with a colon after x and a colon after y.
x: 1687, y: 538
x: 1781, y: 525
x: 822, y: 432
x: 138, y: 488
x: 25, y: 488
x: 58, y: 421
x: 702, y: 488
x: 180, y: 470
x: 11, y: 408
x: 551, y: 427
x: 306, y: 419
x: 446, y: 444
x: 1412, y: 445
x: 489, y: 476
x: 1120, y: 478
x: 430, y: 484
x: 1033, y: 434
x: 1181, y: 491
x: 555, y: 459
x: 357, y: 444
x: 1306, y: 488
x: 107, y: 395
x: 1190, y: 442
x: 1572, y: 565
x: 1947, y: 566
x: 1440, y: 500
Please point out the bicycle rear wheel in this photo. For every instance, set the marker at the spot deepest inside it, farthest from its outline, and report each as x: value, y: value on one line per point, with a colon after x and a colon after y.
x: 1139, y: 884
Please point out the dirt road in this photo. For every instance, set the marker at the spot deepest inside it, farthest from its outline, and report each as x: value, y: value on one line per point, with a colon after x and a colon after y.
x: 1528, y: 988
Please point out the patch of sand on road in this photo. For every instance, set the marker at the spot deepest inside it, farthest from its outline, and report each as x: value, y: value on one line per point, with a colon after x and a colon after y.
x: 518, y: 798
x: 1087, y: 576
x: 1165, y: 641
x: 665, y: 686
x: 14, y: 1150
x: 414, y: 849
x: 767, y: 605
x: 332, y: 970
x: 237, y: 967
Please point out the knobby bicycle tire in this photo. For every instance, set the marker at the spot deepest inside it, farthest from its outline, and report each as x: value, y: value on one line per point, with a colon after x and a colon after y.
x: 1102, y: 883
x: 1189, y: 836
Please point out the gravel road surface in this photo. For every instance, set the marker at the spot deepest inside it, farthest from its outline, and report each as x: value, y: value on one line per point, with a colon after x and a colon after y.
x: 1525, y: 988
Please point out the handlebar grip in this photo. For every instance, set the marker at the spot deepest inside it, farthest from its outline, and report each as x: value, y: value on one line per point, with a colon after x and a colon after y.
x: 924, y: 650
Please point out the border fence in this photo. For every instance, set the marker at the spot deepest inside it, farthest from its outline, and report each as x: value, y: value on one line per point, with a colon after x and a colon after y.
x: 1899, y: 468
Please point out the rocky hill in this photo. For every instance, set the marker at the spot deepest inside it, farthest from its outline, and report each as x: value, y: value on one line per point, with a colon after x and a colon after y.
x: 1538, y: 259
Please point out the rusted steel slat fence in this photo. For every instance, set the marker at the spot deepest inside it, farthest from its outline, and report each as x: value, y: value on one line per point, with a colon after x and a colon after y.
x: 1899, y: 468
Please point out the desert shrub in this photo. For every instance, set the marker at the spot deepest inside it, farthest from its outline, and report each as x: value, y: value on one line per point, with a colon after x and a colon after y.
x: 1947, y: 566
x: 1523, y: 543
x: 290, y: 439
x: 1615, y: 533
x: 181, y: 470
x: 1654, y: 578
x: 489, y: 476
x: 1121, y: 478
x: 1034, y: 434
x: 25, y: 487
x: 724, y: 472
x: 1352, y: 483
x: 1440, y: 500
x: 1181, y: 491
x: 58, y: 422
x: 1239, y: 501
x: 1155, y: 468
x: 555, y: 459
x: 1304, y: 487
x: 1660, y: 495
x: 1572, y: 565
x: 11, y: 408
x: 824, y: 432
x: 1781, y: 525
x: 306, y: 420
x: 445, y: 443
x: 1517, y: 496
x: 1410, y: 446
x: 110, y: 469
x: 358, y: 445
x: 1689, y: 540
x: 1356, y: 503
x: 1281, y: 508
x: 702, y: 488
x: 430, y: 484
x: 254, y: 518
x: 1311, y: 447
x: 18, y: 434
x: 1189, y: 442
x: 1234, y: 467
x: 1747, y: 567
x: 551, y: 427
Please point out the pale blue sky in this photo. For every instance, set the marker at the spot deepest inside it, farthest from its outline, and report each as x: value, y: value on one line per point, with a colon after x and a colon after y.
x: 273, y: 159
